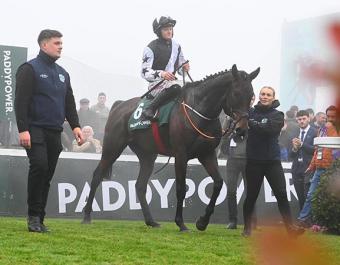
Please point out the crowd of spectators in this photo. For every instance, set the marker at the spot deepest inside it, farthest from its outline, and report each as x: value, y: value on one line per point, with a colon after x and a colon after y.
x: 296, y: 143
x: 291, y: 127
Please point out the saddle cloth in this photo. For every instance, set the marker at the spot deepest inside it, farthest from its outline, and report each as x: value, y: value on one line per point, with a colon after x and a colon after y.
x: 163, y: 115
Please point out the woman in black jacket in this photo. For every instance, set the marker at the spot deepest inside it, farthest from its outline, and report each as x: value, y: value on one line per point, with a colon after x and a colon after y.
x: 263, y: 159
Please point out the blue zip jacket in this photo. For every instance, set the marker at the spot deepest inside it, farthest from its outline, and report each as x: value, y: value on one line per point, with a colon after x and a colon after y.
x: 44, y: 96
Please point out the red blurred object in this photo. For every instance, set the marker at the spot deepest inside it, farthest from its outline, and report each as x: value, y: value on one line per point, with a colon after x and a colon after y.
x: 334, y: 31
x: 273, y: 247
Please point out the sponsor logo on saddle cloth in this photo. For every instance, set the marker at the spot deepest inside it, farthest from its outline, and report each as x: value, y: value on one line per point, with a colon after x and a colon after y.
x: 135, y: 121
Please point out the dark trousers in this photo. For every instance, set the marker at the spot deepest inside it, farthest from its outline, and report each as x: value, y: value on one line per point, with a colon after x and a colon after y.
x: 43, y: 156
x: 301, y: 185
x: 236, y: 168
x: 255, y: 172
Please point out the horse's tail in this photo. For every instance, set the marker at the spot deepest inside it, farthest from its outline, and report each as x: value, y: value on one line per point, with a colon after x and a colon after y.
x: 114, y: 141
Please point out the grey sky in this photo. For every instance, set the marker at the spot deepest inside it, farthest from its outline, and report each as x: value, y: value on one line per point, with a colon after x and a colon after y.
x: 111, y: 35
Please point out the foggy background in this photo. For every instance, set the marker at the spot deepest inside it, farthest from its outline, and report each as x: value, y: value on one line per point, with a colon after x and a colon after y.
x: 104, y: 40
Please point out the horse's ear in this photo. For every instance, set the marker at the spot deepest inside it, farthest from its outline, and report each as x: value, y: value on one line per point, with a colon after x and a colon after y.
x: 234, y: 71
x: 254, y: 74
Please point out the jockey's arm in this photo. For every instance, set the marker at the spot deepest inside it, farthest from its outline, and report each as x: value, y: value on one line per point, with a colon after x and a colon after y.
x: 149, y: 74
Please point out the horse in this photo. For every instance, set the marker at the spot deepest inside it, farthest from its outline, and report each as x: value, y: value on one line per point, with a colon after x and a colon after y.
x: 193, y: 131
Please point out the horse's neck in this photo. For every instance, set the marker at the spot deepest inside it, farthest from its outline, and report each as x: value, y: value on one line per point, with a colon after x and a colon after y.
x: 207, y: 97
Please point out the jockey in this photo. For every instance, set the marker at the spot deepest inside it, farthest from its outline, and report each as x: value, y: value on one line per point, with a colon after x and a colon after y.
x: 160, y: 58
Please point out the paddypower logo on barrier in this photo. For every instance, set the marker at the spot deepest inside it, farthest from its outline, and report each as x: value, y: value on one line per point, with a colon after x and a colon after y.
x: 115, y: 195
x: 11, y: 58
x: 7, y: 76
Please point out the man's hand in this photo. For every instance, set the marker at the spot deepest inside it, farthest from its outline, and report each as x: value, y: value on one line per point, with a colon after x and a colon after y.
x: 186, y: 67
x: 168, y: 76
x: 296, y: 143
x: 78, y: 135
x: 25, y: 139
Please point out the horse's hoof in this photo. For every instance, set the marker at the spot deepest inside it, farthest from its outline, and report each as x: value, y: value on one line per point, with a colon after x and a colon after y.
x: 153, y: 224
x: 183, y: 229
x: 201, y: 224
x: 86, y: 220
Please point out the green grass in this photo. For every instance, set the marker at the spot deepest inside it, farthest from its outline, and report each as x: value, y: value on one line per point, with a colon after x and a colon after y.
x: 128, y: 242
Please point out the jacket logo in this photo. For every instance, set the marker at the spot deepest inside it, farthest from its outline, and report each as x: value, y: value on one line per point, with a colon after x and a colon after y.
x: 264, y: 120
x: 62, y: 78
x: 44, y: 76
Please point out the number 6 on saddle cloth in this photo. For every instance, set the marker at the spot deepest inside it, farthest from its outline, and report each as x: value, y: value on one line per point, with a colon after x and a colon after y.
x: 163, y: 114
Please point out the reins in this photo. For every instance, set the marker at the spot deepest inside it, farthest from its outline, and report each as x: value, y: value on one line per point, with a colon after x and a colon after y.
x: 229, y: 130
x: 193, y: 125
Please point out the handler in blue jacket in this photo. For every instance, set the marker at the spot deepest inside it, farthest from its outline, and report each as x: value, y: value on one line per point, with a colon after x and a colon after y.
x: 43, y: 99
x: 263, y: 159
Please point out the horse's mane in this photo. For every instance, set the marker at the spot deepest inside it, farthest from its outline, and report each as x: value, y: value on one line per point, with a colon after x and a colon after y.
x: 205, y: 79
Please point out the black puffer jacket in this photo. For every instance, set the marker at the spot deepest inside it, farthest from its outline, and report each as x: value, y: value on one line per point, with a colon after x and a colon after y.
x: 265, y: 125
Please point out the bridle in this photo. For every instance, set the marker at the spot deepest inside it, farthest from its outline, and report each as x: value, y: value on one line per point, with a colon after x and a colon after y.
x: 229, y: 130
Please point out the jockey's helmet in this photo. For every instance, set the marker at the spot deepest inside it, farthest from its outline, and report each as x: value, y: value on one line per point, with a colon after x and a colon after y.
x: 162, y: 22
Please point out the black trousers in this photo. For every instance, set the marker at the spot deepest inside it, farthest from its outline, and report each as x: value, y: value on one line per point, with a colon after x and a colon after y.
x: 273, y: 171
x: 236, y: 168
x: 43, y: 156
x: 301, y: 185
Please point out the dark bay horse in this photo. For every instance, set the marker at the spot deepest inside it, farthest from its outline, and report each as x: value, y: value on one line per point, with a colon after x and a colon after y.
x: 194, y: 131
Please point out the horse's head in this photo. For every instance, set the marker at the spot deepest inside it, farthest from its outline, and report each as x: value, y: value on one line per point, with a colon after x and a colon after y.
x: 237, y: 101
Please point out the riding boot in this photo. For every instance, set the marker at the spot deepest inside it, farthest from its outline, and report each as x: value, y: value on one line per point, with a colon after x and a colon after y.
x: 162, y: 98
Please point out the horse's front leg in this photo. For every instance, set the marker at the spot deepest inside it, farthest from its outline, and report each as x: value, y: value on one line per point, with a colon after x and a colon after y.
x: 181, y: 170
x: 211, y: 166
